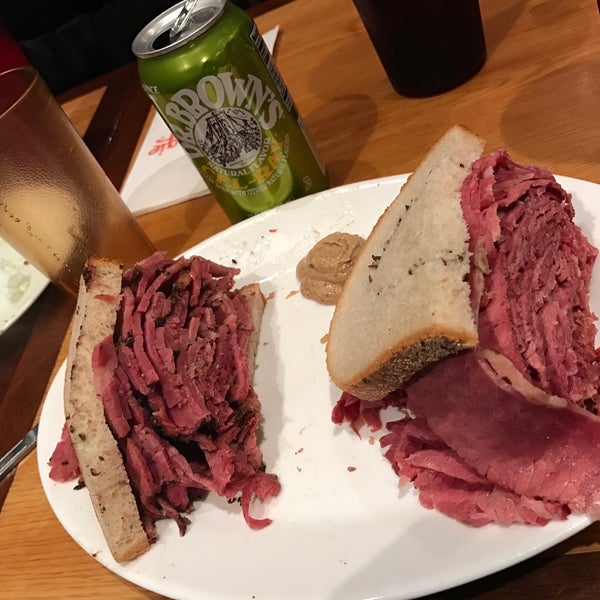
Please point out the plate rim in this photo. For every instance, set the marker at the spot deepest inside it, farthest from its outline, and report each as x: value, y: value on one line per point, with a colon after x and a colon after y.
x: 577, y: 522
x: 38, y: 283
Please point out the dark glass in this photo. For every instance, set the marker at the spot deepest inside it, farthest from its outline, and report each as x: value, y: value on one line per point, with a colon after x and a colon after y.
x: 425, y: 46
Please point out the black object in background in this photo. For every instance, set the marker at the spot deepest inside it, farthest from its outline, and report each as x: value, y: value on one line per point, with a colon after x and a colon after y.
x: 425, y: 46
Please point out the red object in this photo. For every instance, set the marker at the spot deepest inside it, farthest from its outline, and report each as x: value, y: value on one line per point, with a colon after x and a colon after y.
x: 11, y: 55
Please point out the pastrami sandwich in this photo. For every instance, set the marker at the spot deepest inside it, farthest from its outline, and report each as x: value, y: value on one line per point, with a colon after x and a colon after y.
x: 159, y: 403
x: 469, y: 306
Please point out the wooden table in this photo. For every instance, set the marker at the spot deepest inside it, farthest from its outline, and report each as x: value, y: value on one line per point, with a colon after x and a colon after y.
x: 538, y: 95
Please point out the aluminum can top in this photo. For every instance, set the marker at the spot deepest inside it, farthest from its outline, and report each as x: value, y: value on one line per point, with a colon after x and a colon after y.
x: 154, y: 40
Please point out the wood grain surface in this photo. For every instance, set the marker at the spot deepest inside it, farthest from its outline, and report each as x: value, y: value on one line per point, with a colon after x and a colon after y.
x: 538, y: 95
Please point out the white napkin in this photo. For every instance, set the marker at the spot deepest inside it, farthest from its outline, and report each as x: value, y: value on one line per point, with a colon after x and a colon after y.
x: 162, y: 174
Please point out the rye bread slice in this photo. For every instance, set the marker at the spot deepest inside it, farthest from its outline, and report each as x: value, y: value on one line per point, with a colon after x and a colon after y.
x: 406, y: 302
x: 99, y: 457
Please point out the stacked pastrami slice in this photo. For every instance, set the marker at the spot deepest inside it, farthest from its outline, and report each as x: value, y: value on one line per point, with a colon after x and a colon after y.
x: 536, y: 267
x: 509, y: 432
x: 176, y: 384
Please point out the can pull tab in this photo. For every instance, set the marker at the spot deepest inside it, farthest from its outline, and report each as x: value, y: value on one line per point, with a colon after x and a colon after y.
x: 182, y: 19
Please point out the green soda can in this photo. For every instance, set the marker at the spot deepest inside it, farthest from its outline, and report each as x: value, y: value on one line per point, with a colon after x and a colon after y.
x: 216, y: 86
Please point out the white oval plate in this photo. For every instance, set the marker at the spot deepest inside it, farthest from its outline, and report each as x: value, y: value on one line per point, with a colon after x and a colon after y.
x: 336, y: 533
x: 32, y: 284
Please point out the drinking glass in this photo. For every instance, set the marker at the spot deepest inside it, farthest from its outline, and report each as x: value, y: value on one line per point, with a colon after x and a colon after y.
x: 57, y: 206
x: 425, y: 46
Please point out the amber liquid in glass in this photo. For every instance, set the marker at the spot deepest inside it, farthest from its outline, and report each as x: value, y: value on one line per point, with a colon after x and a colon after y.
x: 57, y: 206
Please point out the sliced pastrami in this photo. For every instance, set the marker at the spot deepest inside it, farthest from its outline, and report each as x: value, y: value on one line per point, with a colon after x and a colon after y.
x: 536, y: 265
x: 446, y: 483
x: 261, y: 486
x: 359, y: 412
x: 181, y: 347
x: 64, y: 465
x: 177, y: 391
x: 114, y: 391
x: 511, y: 432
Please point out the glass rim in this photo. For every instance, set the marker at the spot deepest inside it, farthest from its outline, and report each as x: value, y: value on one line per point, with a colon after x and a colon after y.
x: 13, y: 102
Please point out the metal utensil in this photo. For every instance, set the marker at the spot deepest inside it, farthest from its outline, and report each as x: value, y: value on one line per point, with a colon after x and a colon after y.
x: 18, y: 452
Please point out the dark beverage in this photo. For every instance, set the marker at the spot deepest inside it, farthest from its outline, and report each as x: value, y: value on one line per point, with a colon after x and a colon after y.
x: 425, y: 46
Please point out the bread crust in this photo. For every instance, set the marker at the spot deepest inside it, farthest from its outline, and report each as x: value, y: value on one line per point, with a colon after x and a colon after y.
x: 256, y: 305
x: 417, y: 351
x: 100, y: 459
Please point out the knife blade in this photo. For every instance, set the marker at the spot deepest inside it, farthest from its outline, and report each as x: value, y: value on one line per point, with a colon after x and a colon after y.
x: 18, y: 452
